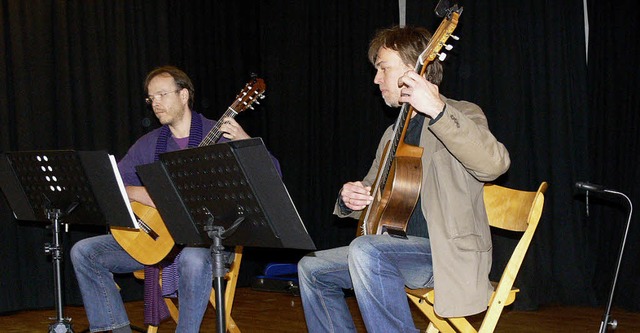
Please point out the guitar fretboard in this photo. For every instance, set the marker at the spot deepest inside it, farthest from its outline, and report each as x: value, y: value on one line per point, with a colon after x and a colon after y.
x: 214, y: 135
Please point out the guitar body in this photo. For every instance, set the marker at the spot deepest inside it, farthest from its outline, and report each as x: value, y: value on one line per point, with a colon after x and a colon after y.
x: 392, y: 207
x: 148, y: 246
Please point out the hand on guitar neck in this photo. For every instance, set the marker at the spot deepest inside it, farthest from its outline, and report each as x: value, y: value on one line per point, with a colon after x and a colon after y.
x: 355, y: 195
x: 421, y: 94
x: 232, y: 130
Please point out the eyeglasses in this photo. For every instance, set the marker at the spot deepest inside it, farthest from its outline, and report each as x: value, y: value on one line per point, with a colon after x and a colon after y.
x: 159, y: 96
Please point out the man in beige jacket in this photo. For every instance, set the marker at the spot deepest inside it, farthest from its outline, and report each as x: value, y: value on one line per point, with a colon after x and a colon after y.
x: 448, y: 242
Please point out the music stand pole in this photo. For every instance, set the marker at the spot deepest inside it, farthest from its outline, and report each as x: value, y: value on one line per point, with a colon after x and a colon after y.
x: 61, y: 323
x: 219, y: 271
x: 217, y: 233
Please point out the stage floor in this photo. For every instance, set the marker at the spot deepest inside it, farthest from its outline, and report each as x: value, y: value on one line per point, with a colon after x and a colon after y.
x: 259, y: 311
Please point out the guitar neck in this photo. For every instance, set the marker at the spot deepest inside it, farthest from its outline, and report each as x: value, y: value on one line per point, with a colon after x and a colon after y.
x: 247, y: 96
x: 398, y: 136
x: 214, y: 135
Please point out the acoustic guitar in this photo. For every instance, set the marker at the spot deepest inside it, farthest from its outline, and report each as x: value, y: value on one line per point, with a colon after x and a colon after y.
x: 152, y: 242
x: 399, y: 180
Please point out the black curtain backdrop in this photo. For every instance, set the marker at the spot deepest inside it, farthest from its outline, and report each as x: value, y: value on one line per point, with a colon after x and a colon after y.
x: 71, y: 76
x: 613, y: 80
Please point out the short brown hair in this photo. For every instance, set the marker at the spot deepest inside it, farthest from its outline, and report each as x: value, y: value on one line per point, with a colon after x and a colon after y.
x: 181, y: 79
x: 409, y: 42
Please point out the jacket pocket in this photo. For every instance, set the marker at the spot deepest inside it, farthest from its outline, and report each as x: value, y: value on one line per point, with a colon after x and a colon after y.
x: 461, y: 203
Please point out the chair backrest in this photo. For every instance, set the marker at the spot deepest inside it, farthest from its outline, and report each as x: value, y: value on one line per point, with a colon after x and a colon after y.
x: 513, y: 210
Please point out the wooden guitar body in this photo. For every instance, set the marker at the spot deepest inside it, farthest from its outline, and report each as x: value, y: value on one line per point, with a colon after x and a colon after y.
x: 149, y: 244
x: 402, y: 190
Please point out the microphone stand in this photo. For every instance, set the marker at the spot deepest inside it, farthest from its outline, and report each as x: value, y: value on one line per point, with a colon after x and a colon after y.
x: 607, y: 321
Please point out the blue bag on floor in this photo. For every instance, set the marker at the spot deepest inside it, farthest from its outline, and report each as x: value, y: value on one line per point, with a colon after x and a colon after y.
x: 278, y: 277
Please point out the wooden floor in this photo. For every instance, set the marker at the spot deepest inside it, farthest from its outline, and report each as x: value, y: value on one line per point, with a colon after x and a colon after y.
x: 259, y: 311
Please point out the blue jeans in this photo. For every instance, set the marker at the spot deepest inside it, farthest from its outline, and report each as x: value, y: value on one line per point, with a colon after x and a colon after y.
x: 96, y: 259
x: 377, y: 267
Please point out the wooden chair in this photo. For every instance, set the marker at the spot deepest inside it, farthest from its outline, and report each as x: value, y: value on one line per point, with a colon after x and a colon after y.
x: 232, y: 279
x: 507, y: 209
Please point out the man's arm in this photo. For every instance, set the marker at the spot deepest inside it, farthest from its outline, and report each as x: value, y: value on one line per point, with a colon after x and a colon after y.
x: 461, y: 126
x: 139, y: 194
x: 464, y: 131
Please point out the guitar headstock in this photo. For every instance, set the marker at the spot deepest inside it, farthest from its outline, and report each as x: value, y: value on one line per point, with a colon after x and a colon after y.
x: 440, y: 37
x: 250, y: 94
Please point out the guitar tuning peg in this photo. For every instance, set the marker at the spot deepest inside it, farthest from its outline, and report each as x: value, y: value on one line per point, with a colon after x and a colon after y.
x: 448, y: 47
x: 442, y: 56
x: 256, y: 101
x: 455, y: 37
x: 262, y: 96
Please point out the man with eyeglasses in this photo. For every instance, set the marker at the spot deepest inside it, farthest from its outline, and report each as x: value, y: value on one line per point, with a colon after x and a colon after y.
x: 95, y: 260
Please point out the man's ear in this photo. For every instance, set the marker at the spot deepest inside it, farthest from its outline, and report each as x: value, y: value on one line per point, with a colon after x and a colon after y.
x: 184, y: 95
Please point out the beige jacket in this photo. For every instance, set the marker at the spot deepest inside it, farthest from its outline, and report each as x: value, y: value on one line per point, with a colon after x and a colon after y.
x: 460, y: 154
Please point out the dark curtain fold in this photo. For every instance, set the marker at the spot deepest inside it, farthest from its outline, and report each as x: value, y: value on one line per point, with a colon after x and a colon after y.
x: 72, y: 76
x: 614, y: 78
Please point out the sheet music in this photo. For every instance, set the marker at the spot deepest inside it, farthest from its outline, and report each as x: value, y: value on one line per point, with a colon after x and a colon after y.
x: 123, y: 191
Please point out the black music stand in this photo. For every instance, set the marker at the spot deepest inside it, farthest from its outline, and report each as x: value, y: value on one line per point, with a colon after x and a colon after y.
x: 64, y: 186
x: 225, y: 194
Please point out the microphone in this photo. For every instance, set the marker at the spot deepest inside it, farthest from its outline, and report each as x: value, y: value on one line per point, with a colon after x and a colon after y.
x: 591, y: 187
